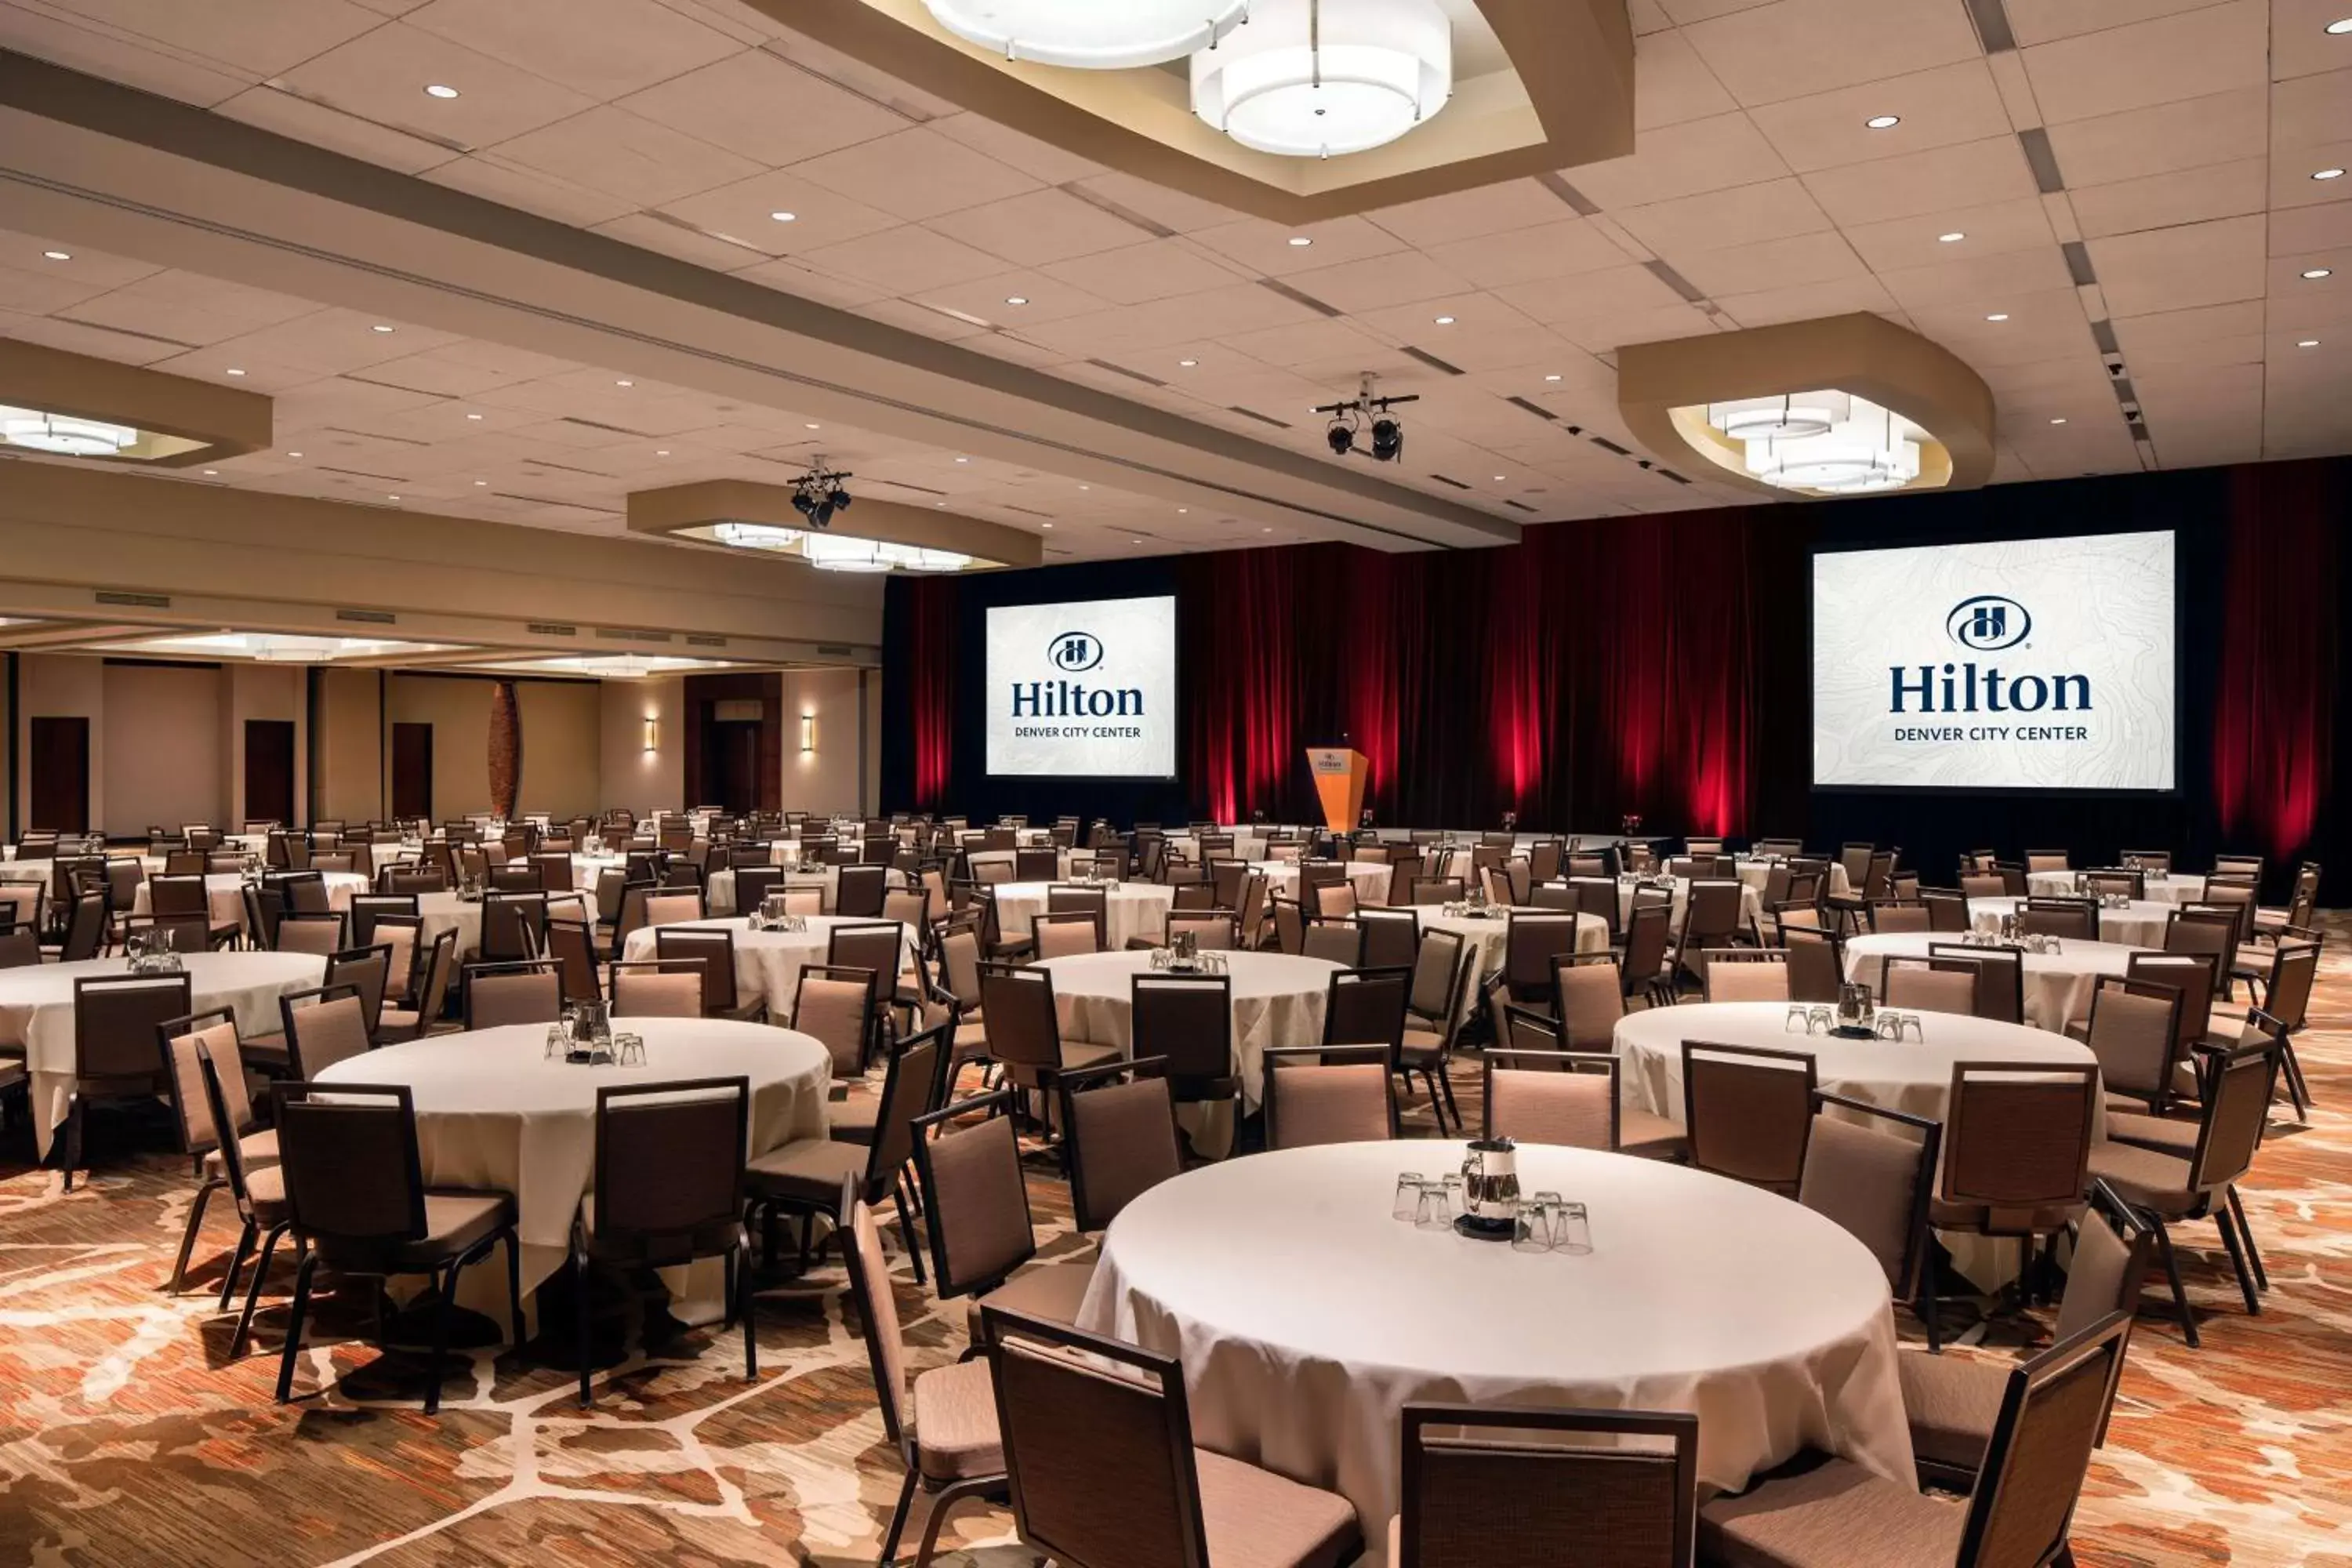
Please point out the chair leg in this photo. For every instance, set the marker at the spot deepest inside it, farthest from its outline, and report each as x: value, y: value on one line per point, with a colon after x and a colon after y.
x: 2228, y: 1230
x: 907, y: 1235
x: 2246, y: 1234
x: 514, y: 1286
x: 445, y: 1288
x: 741, y: 1263
x: 2180, y: 1294
x: 947, y: 1499
x: 2295, y: 1089
x: 188, y: 1238
x: 293, y: 1350
x: 1928, y: 1301
x: 237, y: 1340
x: 236, y: 1261
x: 1445, y: 1082
x: 897, y: 1523
x: 579, y: 1327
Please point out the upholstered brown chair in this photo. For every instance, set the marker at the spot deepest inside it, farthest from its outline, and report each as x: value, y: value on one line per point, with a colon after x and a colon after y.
x: 1820, y: 1512
x: 658, y: 988
x: 1024, y: 1032
x: 976, y: 1208
x: 1745, y: 974
x: 1816, y: 967
x: 1066, y: 934
x: 323, y: 1026
x: 1187, y: 1022
x: 835, y: 1005
x: 879, y: 947
x: 357, y: 1202
x: 418, y: 1013
x: 1074, y: 1409
x: 321, y: 933
x: 2001, y: 978
x: 722, y: 990
x: 2076, y: 919
x: 497, y: 995
x: 1890, y: 916
x: 183, y: 1042
x: 1953, y: 1402
x: 115, y: 1020
x: 1328, y: 1096
x: 2135, y: 1031
x: 259, y: 1191
x: 187, y: 895
x: 1645, y: 960
x: 2017, y: 1147
x: 692, y: 1130
x: 1748, y: 1112
x: 2287, y: 996
x: 1120, y: 1122
x: 20, y: 945
x: 1487, y: 1486
x: 1587, y: 999
x: 1929, y: 984
x: 1872, y: 1170
x: 1540, y: 1096
x: 368, y: 970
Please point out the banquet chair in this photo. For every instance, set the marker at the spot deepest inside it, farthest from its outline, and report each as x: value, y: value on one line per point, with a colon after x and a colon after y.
x: 498, y: 994
x: 958, y: 986
x: 1531, y: 942
x: 1747, y: 1112
x: 257, y: 1187
x: 551, y: 871
x: 976, y: 1209
x: 1366, y: 1007
x: 2302, y: 902
x: 1074, y: 1409
x: 306, y: 932
x: 994, y: 942
x: 2001, y: 978
x: 658, y: 988
x: 182, y: 862
x: 878, y: 947
x: 1555, y: 897
x: 1340, y: 941
x: 1825, y: 1512
x: 1954, y: 1401
x: 1187, y: 1022
x: 2017, y: 1151
x: 115, y: 1020
x: 1404, y: 871
x: 942, y: 1420
x: 1120, y: 1122
x: 1211, y: 931
x: 357, y: 1203
x: 369, y: 908
x: 1587, y: 999
x: 1984, y: 885
x: 1332, y: 901
x: 176, y: 934
x: 305, y: 891
x: 1550, y: 1096
x: 1064, y: 935
x: 323, y: 1026
x: 428, y: 992
x: 1889, y: 915
x: 369, y: 971
x: 2196, y: 1177
x: 693, y: 1132
x: 1507, y: 1485
x: 835, y: 1004
x: 1437, y: 890
x: 24, y: 904
x: 571, y: 948
x: 2047, y: 860
x: 2287, y: 996
x: 514, y: 926
x: 1948, y: 912
x: 2210, y: 932
x: 1025, y: 1033
x: 2064, y: 918
x: 2135, y: 1031
x: 185, y: 895
x: 755, y: 883
x: 1928, y: 985
x: 2191, y: 975
x: 1745, y: 974
x: 413, y: 880
x: 715, y: 950
x: 673, y: 906
x: 1319, y: 1095
x: 20, y: 945
x: 1871, y: 1169
x: 1645, y: 968
x: 1037, y: 865
x: 1193, y: 895
x: 2235, y: 893
x: 183, y: 1041
x: 857, y: 895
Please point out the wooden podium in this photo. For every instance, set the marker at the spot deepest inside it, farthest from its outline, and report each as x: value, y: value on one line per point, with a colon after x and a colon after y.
x: 1338, y: 784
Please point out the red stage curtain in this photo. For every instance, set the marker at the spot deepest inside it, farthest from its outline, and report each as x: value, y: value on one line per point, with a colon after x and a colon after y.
x: 930, y: 608
x: 2275, y: 701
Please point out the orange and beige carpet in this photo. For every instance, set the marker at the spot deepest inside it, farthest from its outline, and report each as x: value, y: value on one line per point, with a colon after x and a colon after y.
x: 127, y: 1436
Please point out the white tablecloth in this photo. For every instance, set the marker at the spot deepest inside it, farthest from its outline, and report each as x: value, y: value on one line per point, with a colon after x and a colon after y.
x: 2141, y: 923
x: 37, y: 1011
x: 1751, y: 903
x: 1131, y: 909
x: 493, y: 1112
x: 768, y: 964
x: 1488, y: 939
x: 1277, y: 1002
x: 1755, y: 872
x: 2058, y: 985
x: 2174, y: 888
x: 1305, y: 1317
x: 1369, y: 878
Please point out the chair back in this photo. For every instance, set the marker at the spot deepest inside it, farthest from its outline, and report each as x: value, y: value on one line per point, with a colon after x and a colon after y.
x: 1211, y: 929
x: 368, y: 969
x: 497, y: 995
x: 835, y: 1004
x: 1391, y: 938
x: 2190, y: 974
x: 692, y: 1130
x: 2294, y: 968
x: 1874, y: 1170
x: 1745, y: 974
x: 115, y: 1019
x: 1543, y: 1096
x: 673, y: 906
x: 2018, y: 1140
x: 914, y: 1084
x: 571, y: 948
x: 1888, y: 916
x: 319, y: 933
x: 2210, y: 932
x: 2050, y: 1416
x: 2112, y: 1247
x: 323, y: 1026
x: 1436, y: 962
x: 2238, y: 1087
x: 2001, y: 978
x: 1487, y: 1484
x: 1530, y: 942
x: 1336, y: 941
x: 1929, y: 985
x: 974, y: 1196
x: 658, y: 988
x: 1748, y: 1112
x: 186, y: 1042
x: 172, y: 894
x: 1187, y: 1022
x: 354, y: 1183
x: 1947, y: 913
x: 1122, y: 1137
x: 1342, y: 1096
x: 1587, y: 999
x: 2135, y: 1031
x: 1649, y: 932
x: 715, y: 950
x: 1023, y: 1029
x: 369, y: 908
x: 1066, y: 934
x: 20, y: 945
x: 1366, y: 1007
x: 878, y: 947
x: 2064, y: 918
x: 878, y: 1308
x: 857, y: 895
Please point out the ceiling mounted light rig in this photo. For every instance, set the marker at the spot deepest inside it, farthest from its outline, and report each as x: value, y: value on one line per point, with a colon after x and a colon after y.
x: 1367, y: 415
x: 818, y: 494
x: 1089, y: 34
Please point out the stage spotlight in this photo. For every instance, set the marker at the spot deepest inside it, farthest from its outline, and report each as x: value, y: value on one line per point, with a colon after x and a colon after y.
x: 1387, y: 439
x: 1342, y: 436
x: 838, y: 501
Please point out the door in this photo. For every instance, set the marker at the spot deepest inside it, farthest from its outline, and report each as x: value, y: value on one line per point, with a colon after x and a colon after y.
x: 412, y: 770
x: 60, y: 770
x: 731, y: 765
x: 269, y: 770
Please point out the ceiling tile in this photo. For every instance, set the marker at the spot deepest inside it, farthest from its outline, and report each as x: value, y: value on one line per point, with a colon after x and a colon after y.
x: 916, y: 175
x: 1359, y: 286
x: 2045, y: 21
x: 62, y: 331
x: 1942, y: 179
x: 673, y: 236
x: 2162, y: 201
x: 1672, y: 84
x: 990, y: 300
x: 753, y: 104
x: 1681, y: 160
x: 67, y: 41
x: 601, y: 48
x: 194, y: 309
x: 493, y: 178
x: 331, y: 342
x: 1775, y: 264
x: 744, y: 212
x: 2312, y: 110
x: 1797, y: 48
x: 609, y: 149
x: 2291, y: 184
x: 1042, y: 227
x: 905, y: 260
x: 2192, y: 55
x: 1919, y: 241
x: 1805, y: 302
x: 1264, y: 247
x: 2185, y: 135
x: 1190, y: 320
x: 1560, y: 249
x: 2311, y: 229
x: 1988, y: 283
x: 1748, y: 215
x: 1938, y: 108
x: 1038, y: 160
x: 90, y: 270
x: 2300, y: 42
x: 2049, y: 325
x: 2173, y: 268
x: 2142, y: 334
x: 1173, y: 210
x: 322, y: 126
x: 1157, y: 270
x: 383, y: 75
x: 263, y: 37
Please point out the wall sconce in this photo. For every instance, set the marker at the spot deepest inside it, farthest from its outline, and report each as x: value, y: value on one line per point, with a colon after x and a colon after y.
x: 808, y: 732
x: 653, y: 734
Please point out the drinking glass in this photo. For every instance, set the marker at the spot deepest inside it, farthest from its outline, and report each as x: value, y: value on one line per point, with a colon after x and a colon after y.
x: 559, y: 1043
x: 1435, y: 1209
x: 1531, y: 1227
x: 629, y: 1050
x: 1817, y: 1022
x: 1571, y: 1228
x: 1457, y: 1193
x: 1408, y: 1187
x: 1796, y: 1019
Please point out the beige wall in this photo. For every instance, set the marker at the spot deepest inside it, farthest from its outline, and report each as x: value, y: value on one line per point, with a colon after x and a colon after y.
x: 350, y: 745
x: 161, y: 737
x: 263, y: 691
x: 562, y: 741
x: 632, y: 776
x: 827, y: 778
x: 563, y: 747
x: 59, y: 686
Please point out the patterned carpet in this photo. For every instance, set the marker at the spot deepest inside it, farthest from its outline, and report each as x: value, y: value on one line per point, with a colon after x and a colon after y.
x: 126, y: 1436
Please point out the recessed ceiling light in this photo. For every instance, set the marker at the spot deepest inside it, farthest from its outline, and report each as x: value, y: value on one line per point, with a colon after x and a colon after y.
x: 2327, y: 174
x: 479, y: 483
x: 380, y: 327
x: 2308, y: 344
x: 810, y: 427
x: 1884, y: 122
x: 59, y: 255
x: 661, y: 451
x: 1301, y: 241
x: 1445, y: 320
x: 293, y: 454
x: 232, y: 371
x: 2317, y: 271
x: 938, y: 503
x: 1551, y: 378
x: 1266, y: 530
x: 1045, y: 525
x: 1188, y: 363
x: 2059, y: 420
x: 440, y: 90
x: 1998, y: 316
x: 1086, y: 487
x: 785, y: 217
x: 1498, y: 478
x: 624, y: 384
x: 392, y: 498
x: 1954, y: 238
x: 1016, y: 299
x: 2345, y: 25
x: 1135, y: 541
x: 212, y: 473
x: 963, y: 459
x: 473, y: 417
x: 1182, y: 510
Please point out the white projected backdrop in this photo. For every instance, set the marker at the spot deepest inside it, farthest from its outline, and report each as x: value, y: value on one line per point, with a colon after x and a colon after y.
x: 1136, y: 640
x: 2101, y: 607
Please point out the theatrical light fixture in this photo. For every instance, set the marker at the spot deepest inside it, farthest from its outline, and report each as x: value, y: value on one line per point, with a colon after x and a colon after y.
x: 1350, y: 418
x: 817, y: 495
x: 1088, y: 35
x: 1315, y: 78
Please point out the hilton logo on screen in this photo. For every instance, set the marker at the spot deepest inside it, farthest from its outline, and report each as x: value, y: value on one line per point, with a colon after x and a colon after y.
x: 1075, y: 653
x: 1988, y: 622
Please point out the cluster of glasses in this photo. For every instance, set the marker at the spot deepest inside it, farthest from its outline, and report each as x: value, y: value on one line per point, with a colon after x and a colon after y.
x: 1210, y: 962
x: 1428, y: 1203
x: 776, y: 914
x: 1464, y: 909
x: 150, y: 952
x: 1883, y: 1023
x: 1549, y: 1223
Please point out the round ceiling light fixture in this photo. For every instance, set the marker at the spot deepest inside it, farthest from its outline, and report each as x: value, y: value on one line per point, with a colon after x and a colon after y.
x: 1770, y: 419
x: 63, y: 434
x: 1306, y: 79
x: 1088, y: 35
x: 1884, y: 122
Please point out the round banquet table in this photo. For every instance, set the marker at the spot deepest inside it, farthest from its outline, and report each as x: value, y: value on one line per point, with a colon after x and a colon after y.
x: 2172, y: 888
x: 1305, y: 1317
x: 2141, y: 923
x: 1751, y: 902
x: 1277, y: 1001
x: 493, y: 1112
x: 225, y: 894
x: 36, y: 1010
x: 1487, y: 938
x: 2058, y: 985
x: 1131, y: 909
x: 768, y: 964
x: 1755, y: 873
x: 1371, y: 878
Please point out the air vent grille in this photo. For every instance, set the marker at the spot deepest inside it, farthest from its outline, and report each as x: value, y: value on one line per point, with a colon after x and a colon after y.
x: 135, y: 601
